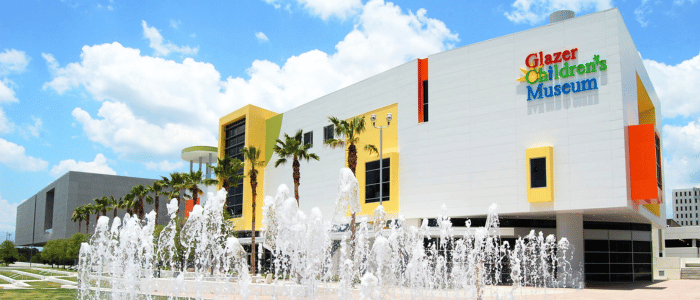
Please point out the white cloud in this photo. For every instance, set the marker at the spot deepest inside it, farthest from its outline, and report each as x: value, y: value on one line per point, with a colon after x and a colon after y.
x: 13, y: 61
x: 161, y: 48
x: 338, y: 8
x: 261, y: 37
x: 14, y: 156
x: 6, y: 125
x: 34, y: 130
x: 536, y: 11
x: 8, y: 215
x: 51, y: 62
x: 130, y: 136
x: 676, y: 86
x: 98, y: 165
x: 341, y: 9
x: 175, y: 24
x: 682, y: 157
x: 273, y: 3
x: 164, y: 166
x: 156, y: 107
x: 681, y: 2
x: 641, y: 12
x: 6, y: 93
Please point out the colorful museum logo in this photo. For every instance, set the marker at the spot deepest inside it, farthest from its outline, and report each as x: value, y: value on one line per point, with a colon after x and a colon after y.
x: 543, y: 68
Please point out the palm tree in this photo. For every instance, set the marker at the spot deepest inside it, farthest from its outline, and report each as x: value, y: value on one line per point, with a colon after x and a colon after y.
x: 102, y: 204
x: 192, y: 182
x: 115, y: 204
x: 294, y: 148
x: 227, y: 171
x: 139, y: 193
x: 89, y: 209
x: 129, y: 203
x: 79, y: 216
x: 177, y: 182
x: 252, y: 154
x: 157, y: 190
x: 351, y: 135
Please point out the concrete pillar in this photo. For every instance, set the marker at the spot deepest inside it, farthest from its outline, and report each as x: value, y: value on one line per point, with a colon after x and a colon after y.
x: 200, y: 163
x: 209, y: 166
x: 191, y: 165
x: 570, y: 226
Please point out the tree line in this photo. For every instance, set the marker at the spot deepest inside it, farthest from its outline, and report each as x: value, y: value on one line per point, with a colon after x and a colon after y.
x: 228, y: 174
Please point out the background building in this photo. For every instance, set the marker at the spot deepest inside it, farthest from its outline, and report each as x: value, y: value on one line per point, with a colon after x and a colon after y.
x: 558, y: 125
x: 47, y: 215
x: 685, y: 206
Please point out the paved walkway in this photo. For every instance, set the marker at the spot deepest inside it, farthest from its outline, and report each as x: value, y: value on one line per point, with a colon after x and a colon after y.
x: 660, y: 290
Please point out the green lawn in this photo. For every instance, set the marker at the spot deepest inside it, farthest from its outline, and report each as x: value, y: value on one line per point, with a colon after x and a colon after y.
x: 71, y: 278
x: 58, y: 294
x: 58, y: 269
x: 3, y: 282
x: 16, y: 276
x: 40, y: 272
x: 43, y: 284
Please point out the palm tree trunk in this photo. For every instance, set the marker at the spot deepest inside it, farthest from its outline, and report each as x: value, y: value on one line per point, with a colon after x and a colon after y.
x: 296, y: 176
x: 156, y: 207
x: 114, y: 214
x: 140, y: 208
x: 179, y: 201
x: 87, y: 224
x: 352, y: 163
x: 352, y: 158
x: 80, y: 225
x: 253, y: 185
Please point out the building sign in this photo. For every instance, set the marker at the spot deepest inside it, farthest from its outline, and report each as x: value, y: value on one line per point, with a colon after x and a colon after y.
x: 543, y: 68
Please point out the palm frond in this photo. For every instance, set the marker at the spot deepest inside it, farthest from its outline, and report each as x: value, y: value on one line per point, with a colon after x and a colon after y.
x: 372, y: 149
x: 280, y: 161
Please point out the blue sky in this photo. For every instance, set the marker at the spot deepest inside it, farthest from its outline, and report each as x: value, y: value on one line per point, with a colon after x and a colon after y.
x: 120, y: 87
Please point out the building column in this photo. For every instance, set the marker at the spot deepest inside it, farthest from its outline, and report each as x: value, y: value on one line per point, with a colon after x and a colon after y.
x: 570, y: 226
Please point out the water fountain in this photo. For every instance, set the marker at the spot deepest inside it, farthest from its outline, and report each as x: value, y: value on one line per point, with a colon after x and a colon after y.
x: 312, y: 257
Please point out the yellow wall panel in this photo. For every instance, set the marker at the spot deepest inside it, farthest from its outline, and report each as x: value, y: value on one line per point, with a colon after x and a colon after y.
x: 371, y: 136
x: 542, y: 194
x: 255, y: 135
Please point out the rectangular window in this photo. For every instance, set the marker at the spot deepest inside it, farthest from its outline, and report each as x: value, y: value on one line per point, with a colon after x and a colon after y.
x: 234, y: 142
x: 538, y: 172
x: 328, y: 133
x: 425, y: 100
x: 372, y: 180
x: 48, y: 210
x: 309, y: 138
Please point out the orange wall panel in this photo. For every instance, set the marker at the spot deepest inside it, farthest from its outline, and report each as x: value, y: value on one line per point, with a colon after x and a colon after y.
x: 422, y: 75
x: 643, y: 163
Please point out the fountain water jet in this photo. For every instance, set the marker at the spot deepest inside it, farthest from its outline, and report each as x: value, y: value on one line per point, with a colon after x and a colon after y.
x: 311, y: 257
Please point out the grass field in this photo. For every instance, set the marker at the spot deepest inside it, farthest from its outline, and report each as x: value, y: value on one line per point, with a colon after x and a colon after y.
x: 58, y: 294
x: 40, y: 272
x: 3, y: 282
x: 71, y: 278
x: 58, y: 269
x: 16, y: 276
x: 43, y: 284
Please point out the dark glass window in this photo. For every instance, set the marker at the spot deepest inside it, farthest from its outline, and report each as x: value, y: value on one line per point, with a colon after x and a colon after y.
x: 328, y: 133
x: 309, y: 138
x: 538, y: 172
x: 372, y: 180
x: 425, y: 101
x: 678, y: 243
x: 48, y: 210
x: 234, y: 142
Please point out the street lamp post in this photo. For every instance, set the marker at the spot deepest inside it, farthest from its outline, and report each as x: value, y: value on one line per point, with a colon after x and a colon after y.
x: 373, y: 118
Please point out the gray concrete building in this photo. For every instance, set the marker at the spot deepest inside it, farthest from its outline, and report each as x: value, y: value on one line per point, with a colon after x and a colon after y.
x: 686, y: 211
x: 47, y: 215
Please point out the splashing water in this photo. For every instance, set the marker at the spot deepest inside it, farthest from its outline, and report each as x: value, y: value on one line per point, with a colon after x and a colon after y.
x: 311, y: 258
